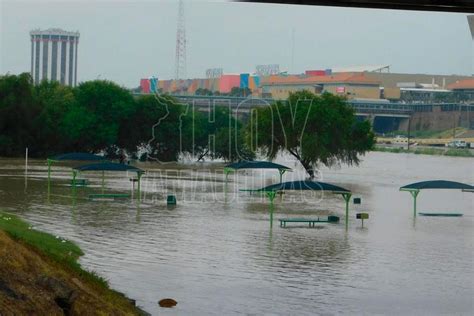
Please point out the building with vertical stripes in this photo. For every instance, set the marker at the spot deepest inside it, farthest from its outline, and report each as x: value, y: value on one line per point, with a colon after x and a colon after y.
x: 54, y: 56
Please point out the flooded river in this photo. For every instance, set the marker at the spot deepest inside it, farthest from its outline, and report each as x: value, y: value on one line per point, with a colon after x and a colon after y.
x: 216, y: 253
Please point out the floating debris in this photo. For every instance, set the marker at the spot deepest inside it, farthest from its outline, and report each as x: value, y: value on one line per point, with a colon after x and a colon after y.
x: 167, y: 303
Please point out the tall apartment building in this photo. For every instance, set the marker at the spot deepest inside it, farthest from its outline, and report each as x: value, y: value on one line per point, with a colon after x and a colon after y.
x: 54, y: 56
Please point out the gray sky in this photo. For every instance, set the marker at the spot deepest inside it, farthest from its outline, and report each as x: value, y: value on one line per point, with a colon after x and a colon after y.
x: 124, y: 41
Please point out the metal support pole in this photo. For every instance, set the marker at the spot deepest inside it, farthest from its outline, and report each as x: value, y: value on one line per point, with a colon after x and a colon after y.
x: 74, y: 174
x: 49, y: 175
x: 226, y: 173
x: 26, y: 160
x: 139, y: 175
x: 281, y: 171
x: 347, y: 198
x: 103, y: 181
x: 271, y: 196
x: 415, y: 195
x: 454, y: 122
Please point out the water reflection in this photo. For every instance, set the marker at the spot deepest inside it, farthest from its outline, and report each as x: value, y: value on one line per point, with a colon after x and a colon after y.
x: 216, y: 252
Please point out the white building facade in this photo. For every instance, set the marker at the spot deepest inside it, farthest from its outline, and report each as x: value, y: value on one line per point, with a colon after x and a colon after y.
x: 54, y: 56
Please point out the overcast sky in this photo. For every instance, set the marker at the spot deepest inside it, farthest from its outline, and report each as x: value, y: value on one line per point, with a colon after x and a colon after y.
x: 124, y: 41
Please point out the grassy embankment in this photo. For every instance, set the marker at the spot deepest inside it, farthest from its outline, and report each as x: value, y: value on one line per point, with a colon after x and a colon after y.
x: 431, y: 134
x: 428, y: 151
x: 421, y: 136
x: 39, y: 274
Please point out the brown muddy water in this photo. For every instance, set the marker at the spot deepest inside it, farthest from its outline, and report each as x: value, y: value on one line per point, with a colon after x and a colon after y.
x: 216, y: 253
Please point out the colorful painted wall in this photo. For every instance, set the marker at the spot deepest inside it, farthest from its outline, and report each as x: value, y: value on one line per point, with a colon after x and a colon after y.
x: 224, y: 84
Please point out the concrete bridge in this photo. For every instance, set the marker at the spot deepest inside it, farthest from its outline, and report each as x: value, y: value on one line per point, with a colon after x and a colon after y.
x: 243, y: 105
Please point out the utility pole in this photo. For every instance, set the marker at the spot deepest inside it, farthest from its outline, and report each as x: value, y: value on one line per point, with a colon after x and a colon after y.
x: 454, y: 121
x: 408, y: 138
x: 293, y: 50
x: 180, y: 62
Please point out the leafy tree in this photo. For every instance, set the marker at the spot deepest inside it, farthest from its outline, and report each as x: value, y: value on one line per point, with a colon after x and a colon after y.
x: 155, y: 124
x: 54, y: 101
x: 314, y: 129
x: 221, y: 136
x: 17, y: 113
x: 240, y: 92
x: 202, y: 91
x: 50, y: 118
x: 78, y: 131
x: 102, y: 106
x: 230, y: 145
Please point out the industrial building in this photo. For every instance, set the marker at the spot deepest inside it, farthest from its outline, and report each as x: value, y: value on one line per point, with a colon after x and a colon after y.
x: 349, y: 84
x: 465, y: 87
x: 54, y: 56
x: 359, y: 82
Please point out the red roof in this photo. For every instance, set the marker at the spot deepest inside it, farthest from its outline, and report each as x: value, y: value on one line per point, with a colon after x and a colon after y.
x: 462, y: 84
x: 347, y: 77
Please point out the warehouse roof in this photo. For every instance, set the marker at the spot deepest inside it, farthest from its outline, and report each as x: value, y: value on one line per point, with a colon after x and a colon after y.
x: 348, y: 77
x: 462, y: 84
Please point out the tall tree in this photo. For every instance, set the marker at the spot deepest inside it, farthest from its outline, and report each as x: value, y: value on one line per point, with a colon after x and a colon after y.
x: 102, y: 106
x: 54, y: 101
x: 17, y: 112
x: 314, y: 129
x: 222, y: 136
x: 154, y: 125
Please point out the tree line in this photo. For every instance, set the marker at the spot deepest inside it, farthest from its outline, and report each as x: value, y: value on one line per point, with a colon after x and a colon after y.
x: 101, y: 117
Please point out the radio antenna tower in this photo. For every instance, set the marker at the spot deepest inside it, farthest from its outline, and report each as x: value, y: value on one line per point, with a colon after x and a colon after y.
x: 180, y: 66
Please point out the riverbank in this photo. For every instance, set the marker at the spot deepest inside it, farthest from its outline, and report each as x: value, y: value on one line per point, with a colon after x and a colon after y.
x: 451, y: 152
x: 39, y: 274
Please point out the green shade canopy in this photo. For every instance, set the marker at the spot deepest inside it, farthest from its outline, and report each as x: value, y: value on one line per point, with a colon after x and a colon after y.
x: 256, y: 165
x: 271, y: 191
x: 109, y: 166
x: 437, y: 184
x: 78, y: 156
x: 305, y: 185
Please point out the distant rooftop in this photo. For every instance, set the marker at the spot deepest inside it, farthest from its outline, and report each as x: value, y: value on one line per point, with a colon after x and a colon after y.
x: 363, y: 68
x: 334, y: 79
x: 53, y: 31
x: 462, y: 85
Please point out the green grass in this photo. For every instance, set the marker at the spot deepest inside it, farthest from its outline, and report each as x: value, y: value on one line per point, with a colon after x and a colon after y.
x: 429, y: 134
x: 459, y: 153
x: 428, y: 151
x: 60, y: 250
x: 57, y: 248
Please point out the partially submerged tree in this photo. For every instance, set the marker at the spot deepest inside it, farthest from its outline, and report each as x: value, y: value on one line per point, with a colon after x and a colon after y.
x: 17, y: 113
x: 314, y: 129
x: 220, y: 135
x: 154, y: 124
x: 100, y: 108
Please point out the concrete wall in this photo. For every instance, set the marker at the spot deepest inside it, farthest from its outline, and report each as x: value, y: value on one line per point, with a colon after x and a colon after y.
x: 441, y: 120
x: 392, y: 93
x: 437, y: 120
x: 355, y: 91
x: 283, y: 91
x: 350, y: 90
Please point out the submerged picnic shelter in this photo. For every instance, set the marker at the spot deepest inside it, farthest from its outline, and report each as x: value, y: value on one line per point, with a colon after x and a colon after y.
x: 272, y: 190
x: 71, y: 157
x: 415, y: 188
x: 255, y: 165
x: 107, y: 166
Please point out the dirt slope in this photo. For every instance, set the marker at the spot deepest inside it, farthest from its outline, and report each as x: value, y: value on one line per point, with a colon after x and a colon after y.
x: 33, y: 284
